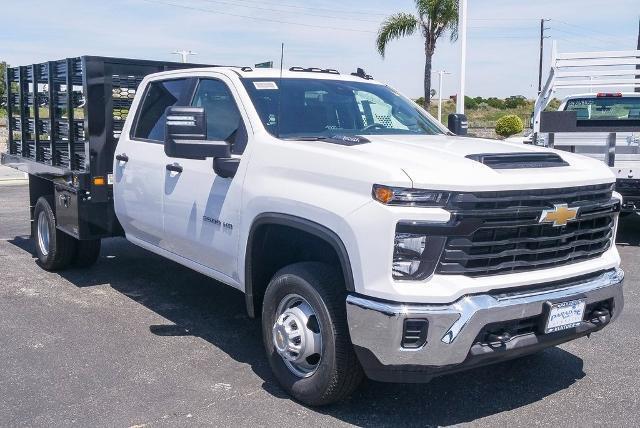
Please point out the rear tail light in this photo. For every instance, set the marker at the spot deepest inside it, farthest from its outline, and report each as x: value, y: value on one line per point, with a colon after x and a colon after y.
x: 609, y: 94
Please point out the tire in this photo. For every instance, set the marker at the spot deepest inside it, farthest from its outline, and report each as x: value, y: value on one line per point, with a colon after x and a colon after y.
x: 87, y: 252
x: 337, y: 373
x: 54, y: 249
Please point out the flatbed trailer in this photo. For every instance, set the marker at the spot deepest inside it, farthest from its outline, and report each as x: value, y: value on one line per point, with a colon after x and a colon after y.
x: 64, y: 121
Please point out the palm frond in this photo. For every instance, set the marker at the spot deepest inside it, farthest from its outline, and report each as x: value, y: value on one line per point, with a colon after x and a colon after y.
x: 395, y: 27
x: 439, y: 16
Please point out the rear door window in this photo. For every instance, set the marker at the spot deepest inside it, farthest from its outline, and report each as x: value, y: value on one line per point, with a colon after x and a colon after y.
x: 159, y: 96
x: 605, y: 108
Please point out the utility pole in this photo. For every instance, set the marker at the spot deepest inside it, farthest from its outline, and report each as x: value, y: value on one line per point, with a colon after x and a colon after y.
x: 441, y: 74
x: 638, y: 65
x: 184, y: 55
x: 462, y: 36
x: 542, y: 37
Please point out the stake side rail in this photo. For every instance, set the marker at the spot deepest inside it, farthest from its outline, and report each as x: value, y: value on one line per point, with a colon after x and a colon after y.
x: 64, y: 119
x: 579, y: 70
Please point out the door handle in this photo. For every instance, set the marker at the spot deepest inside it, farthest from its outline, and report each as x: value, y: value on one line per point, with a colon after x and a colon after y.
x: 122, y: 158
x: 174, y: 167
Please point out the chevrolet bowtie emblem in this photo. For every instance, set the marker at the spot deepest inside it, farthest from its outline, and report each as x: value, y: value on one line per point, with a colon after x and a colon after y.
x: 560, y: 215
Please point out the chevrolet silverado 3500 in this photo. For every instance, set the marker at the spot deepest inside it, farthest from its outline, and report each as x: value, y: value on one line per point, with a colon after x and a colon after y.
x: 368, y: 238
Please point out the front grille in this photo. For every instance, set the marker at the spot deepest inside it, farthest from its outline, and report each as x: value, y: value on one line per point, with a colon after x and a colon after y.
x: 499, y: 232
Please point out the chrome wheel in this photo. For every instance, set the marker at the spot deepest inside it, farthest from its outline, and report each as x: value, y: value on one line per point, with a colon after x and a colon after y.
x: 43, y: 233
x: 297, y: 335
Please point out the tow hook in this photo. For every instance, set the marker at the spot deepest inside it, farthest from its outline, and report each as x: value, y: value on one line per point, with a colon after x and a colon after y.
x: 600, y: 316
x: 498, y: 339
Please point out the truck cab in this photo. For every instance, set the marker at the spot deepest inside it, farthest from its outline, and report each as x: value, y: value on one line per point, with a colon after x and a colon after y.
x: 367, y: 238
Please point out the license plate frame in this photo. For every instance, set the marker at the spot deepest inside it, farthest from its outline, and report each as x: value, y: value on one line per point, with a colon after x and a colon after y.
x: 565, y: 315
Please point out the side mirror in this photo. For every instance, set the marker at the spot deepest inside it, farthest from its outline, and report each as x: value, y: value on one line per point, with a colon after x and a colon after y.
x: 458, y: 124
x: 186, y: 135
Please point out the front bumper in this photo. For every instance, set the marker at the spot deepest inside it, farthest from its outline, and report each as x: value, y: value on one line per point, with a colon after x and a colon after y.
x: 454, y: 338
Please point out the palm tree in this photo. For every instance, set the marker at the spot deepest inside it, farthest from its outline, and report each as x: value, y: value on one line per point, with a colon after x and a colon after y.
x: 434, y: 17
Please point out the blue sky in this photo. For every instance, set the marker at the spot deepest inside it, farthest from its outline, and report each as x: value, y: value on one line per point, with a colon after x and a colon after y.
x: 502, y: 41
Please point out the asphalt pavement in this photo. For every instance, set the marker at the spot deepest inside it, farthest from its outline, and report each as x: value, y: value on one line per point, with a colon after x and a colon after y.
x: 137, y: 340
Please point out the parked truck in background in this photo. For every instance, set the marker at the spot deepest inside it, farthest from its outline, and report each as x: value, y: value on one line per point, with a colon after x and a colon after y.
x: 367, y: 238
x: 607, y: 121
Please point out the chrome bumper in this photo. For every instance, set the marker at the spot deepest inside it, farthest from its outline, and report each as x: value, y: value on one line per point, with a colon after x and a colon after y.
x: 377, y: 327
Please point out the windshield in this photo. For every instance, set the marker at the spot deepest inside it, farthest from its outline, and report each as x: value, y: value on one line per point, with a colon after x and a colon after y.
x: 605, y: 108
x: 325, y: 108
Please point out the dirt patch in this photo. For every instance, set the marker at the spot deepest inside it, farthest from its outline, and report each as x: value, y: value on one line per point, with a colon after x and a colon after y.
x: 4, y: 135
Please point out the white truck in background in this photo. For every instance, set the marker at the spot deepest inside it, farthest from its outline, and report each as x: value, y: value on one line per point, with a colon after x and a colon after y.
x: 368, y: 239
x: 608, y: 120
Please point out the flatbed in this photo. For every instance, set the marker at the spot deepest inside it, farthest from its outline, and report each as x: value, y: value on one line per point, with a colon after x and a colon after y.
x: 64, y: 121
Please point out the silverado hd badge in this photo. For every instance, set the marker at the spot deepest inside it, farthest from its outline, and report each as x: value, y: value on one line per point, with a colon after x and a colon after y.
x: 560, y: 215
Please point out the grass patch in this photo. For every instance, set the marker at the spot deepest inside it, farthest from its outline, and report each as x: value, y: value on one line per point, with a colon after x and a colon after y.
x: 482, y: 117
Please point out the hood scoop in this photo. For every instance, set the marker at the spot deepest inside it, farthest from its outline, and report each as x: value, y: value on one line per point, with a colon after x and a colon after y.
x: 519, y: 160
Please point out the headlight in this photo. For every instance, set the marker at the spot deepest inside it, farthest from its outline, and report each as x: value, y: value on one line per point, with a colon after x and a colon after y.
x: 407, y: 254
x: 409, y: 197
x: 415, y: 255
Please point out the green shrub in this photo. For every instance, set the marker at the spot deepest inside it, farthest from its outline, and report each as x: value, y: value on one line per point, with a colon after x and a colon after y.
x: 515, y: 101
x: 470, y: 103
x: 495, y: 103
x: 509, y: 125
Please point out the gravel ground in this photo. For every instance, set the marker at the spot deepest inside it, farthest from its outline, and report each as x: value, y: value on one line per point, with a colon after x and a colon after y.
x: 138, y: 340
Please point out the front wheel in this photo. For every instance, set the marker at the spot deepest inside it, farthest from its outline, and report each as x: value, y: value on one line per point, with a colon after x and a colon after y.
x: 305, y: 334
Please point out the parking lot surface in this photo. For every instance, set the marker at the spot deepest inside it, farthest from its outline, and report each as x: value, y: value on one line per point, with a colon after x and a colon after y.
x: 138, y: 340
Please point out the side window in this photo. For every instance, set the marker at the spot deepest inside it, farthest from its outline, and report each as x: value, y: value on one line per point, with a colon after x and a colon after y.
x: 223, y: 117
x: 152, y: 118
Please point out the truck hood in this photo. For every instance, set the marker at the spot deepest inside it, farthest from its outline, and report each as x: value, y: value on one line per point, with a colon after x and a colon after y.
x: 439, y: 161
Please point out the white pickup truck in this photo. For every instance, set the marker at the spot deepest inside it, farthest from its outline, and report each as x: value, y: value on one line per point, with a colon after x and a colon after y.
x: 605, y: 122
x: 623, y: 157
x: 368, y: 238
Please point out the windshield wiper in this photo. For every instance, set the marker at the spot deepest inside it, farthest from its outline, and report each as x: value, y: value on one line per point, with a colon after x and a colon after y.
x: 311, y: 138
x: 344, y: 140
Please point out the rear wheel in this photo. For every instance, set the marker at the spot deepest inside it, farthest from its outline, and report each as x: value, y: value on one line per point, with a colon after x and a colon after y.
x: 305, y: 334
x: 54, y: 249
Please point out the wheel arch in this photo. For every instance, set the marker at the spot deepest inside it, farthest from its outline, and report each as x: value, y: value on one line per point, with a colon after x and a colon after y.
x: 254, y: 290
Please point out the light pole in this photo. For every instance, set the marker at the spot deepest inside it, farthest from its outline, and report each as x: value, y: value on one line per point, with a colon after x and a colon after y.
x: 184, y: 55
x: 542, y: 37
x: 462, y: 35
x: 441, y: 74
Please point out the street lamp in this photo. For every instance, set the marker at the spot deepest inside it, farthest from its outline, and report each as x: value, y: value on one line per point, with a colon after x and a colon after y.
x: 462, y: 35
x: 184, y: 55
x: 441, y: 74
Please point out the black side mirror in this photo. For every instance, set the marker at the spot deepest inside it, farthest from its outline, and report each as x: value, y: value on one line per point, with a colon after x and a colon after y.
x: 186, y: 135
x: 458, y: 124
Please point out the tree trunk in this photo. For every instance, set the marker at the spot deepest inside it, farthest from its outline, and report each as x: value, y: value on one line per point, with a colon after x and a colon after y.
x: 427, y: 75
